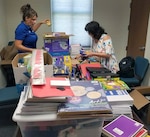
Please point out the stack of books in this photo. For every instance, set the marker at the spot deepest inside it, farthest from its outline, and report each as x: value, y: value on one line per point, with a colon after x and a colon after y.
x: 120, y: 101
x: 42, y: 99
x: 117, y: 94
x: 89, y: 101
x: 75, y: 50
x: 68, y: 99
x: 123, y: 126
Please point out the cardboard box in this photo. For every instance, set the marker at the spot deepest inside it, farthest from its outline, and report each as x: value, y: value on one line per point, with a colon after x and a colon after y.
x: 57, y: 44
x: 19, y: 72
x: 5, y: 62
x: 141, y: 103
x: 7, y: 54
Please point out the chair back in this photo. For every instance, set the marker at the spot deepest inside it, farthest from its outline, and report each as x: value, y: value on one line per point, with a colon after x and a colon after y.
x: 141, y: 67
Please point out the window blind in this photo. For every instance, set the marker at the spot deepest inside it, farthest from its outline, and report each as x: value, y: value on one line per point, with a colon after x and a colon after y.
x: 71, y: 16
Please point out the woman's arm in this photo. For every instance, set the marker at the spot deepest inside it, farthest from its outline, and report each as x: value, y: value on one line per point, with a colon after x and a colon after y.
x: 103, y: 55
x: 19, y: 46
x: 37, y: 25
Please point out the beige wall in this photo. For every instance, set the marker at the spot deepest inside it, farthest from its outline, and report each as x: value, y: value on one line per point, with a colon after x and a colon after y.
x: 3, y: 36
x: 14, y: 17
x: 113, y: 15
x: 105, y: 11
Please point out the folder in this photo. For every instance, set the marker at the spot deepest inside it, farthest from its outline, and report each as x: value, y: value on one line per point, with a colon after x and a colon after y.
x: 49, y: 90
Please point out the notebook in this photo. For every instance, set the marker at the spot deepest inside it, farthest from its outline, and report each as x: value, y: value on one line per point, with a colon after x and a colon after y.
x: 122, y: 126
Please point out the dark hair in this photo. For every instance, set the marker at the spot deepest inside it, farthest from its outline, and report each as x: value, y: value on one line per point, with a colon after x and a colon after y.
x: 27, y: 11
x: 95, y: 29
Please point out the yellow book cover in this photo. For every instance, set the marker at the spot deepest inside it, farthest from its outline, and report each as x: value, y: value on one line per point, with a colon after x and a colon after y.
x: 113, y: 84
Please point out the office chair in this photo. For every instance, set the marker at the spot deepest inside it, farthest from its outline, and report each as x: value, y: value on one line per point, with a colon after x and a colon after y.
x: 9, y: 98
x: 140, y: 68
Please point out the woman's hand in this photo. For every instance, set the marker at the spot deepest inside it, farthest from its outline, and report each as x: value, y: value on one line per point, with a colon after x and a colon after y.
x: 36, y: 26
x: 46, y: 21
x: 78, y: 57
x: 89, y: 53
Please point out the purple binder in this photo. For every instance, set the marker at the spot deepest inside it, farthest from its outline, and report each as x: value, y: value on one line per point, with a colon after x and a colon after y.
x: 122, y: 126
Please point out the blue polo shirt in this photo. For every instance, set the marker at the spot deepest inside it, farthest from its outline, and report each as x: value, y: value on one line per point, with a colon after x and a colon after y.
x: 26, y: 34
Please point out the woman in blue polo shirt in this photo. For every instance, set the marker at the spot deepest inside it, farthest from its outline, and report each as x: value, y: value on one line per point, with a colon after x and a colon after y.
x: 25, y: 36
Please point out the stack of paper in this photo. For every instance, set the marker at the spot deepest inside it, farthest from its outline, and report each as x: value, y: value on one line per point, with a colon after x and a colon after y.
x: 75, y: 49
x: 89, y: 100
x: 41, y: 99
x: 117, y: 94
x: 120, y: 101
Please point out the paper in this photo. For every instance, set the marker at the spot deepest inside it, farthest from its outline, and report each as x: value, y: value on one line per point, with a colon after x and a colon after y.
x: 52, y: 91
x: 59, y: 83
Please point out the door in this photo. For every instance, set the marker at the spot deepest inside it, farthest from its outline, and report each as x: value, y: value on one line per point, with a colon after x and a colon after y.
x: 138, y: 25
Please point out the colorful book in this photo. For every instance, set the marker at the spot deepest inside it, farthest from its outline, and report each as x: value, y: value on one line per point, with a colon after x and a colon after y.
x: 113, y: 84
x: 89, y: 99
x: 59, y: 67
x: 48, y: 90
x: 122, y: 126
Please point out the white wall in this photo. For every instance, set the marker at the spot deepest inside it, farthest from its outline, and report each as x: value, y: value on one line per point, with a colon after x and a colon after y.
x: 113, y: 15
x: 14, y: 17
x: 3, y: 26
x: 3, y: 37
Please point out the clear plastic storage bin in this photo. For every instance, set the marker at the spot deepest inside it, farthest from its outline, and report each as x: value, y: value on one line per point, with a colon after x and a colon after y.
x: 49, y: 125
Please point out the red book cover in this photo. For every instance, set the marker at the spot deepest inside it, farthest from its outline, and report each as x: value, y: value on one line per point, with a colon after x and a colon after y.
x: 49, y: 90
x: 84, y: 70
x: 142, y: 133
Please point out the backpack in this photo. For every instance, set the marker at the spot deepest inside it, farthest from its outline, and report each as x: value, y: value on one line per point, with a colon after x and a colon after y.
x: 126, y: 66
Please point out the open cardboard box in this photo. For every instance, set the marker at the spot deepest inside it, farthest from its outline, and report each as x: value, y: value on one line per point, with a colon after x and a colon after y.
x: 141, y: 103
x: 55, y: 35
x: 19, y: 72
x: 57, y: 43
